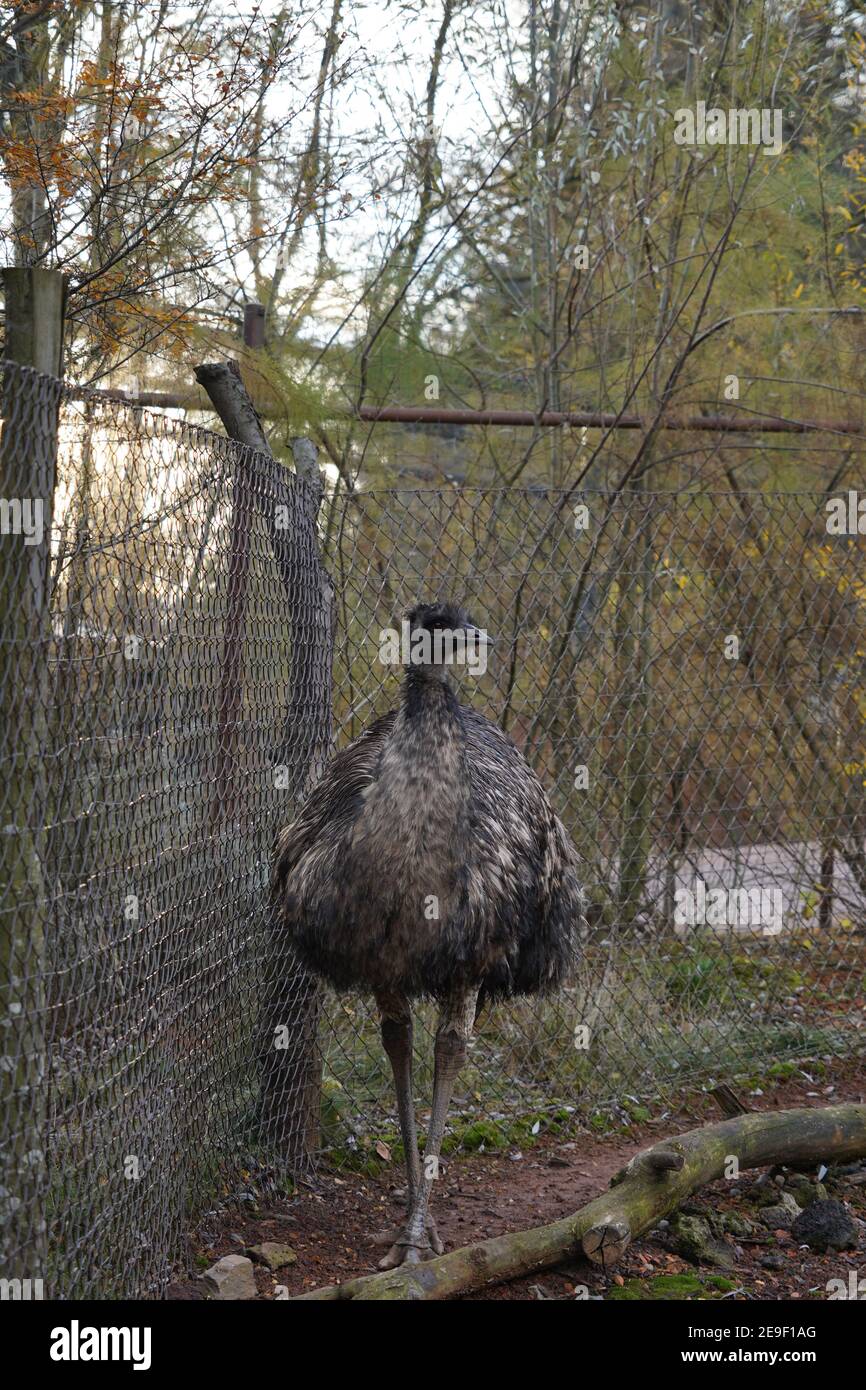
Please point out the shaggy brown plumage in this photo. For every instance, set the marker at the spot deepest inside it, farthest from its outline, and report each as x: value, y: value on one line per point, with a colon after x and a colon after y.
x: 428, y: 856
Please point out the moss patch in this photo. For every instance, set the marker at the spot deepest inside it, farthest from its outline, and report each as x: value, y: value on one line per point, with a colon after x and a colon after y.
x: 667, y: 1287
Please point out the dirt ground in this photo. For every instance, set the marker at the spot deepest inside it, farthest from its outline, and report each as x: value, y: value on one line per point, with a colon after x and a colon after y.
x: 328, y: 1225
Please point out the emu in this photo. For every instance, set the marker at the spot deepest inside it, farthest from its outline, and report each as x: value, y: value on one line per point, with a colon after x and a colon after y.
x: 428, y: 862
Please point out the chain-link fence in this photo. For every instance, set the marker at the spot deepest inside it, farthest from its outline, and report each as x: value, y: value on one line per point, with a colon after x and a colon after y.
x: 687, y: 672
x: 158, y: 702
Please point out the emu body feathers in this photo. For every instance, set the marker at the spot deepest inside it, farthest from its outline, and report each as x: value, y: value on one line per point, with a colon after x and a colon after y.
x: 427, y: 858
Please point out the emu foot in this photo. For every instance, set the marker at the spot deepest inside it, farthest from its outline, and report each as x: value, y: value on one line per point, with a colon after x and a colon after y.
x: 406, y: 1250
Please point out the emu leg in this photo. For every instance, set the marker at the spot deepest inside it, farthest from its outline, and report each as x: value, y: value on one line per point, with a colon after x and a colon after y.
x: 396, y: 1026
x: 452, y: 1037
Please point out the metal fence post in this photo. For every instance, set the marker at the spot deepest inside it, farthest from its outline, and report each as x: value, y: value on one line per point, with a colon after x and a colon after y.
x: 28, y: 464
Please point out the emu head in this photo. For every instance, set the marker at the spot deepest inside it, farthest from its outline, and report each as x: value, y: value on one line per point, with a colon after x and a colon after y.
x: 442, y: 635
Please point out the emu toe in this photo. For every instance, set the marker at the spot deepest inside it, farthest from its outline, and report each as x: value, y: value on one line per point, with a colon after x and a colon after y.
x: 404, y: 1250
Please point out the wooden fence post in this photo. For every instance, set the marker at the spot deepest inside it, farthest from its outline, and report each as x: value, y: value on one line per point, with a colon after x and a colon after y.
x: 290, y: 1065
x: 254, y: 325
x: 231, y: 695
x: 296, y: 1070
x: 28, y: 464
x: 35, y: 307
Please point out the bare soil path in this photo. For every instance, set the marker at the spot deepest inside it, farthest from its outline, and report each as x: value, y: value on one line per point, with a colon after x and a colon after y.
x: 481, y: 1195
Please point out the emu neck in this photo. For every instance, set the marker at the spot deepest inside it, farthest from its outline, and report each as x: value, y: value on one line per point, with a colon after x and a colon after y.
x: 428, y: 696
x: 426, y: 755
x: 415, y: 810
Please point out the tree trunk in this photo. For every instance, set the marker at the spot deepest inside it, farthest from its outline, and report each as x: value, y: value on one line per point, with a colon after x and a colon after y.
x: 656, y: 1182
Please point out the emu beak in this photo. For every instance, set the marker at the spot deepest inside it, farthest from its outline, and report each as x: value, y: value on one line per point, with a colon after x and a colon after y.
x: 477, y: 635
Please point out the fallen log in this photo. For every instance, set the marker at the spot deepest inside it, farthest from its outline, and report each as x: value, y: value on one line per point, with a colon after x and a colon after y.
x: 654, y: 1183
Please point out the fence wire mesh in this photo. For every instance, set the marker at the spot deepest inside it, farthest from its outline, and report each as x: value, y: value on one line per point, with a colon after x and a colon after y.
x: 685, y: 672
x: 146, y: 658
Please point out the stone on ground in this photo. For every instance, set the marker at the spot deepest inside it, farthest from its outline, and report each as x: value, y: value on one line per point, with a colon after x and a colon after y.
x: 825, y: 1226
x: 230, y: 1278
x: 272, y: 1253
